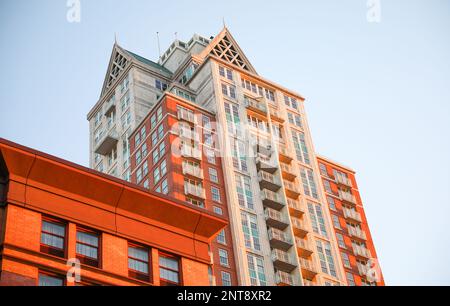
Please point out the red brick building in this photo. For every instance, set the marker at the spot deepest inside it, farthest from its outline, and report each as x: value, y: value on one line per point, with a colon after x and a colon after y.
x: 350, y: 224
x: 173, y: 153
x: 52, y: 210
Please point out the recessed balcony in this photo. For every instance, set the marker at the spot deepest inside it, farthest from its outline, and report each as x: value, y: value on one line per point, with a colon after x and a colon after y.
x: 352, y: 215
x: 109, y: 107
x: 344, y: 181
x: 191, y: 152
x: 284, y: 279
x: 279, y: 239
x: 284, y: 154
x: 347, y: 197
x: 269, y: 181
x: 264, y: 147
x: 291, y: 189
x: 187, y: 133
x: 304, y: 248
x: 266, y: 164
x: 308, y: 283
x: 107, y: 141
x: 362, y: 269
x: 194, y: 190
x: 287, y: 172
x: 299, y: 227
x: 282, y: 261
x: 191, y: 170
x: 308, y: 268
x: 275, y: 219
x: 275, y: 115
x: 272, y: 200
x: 186, y: 116
x: 295, y: 208
x: 357, y: 233
x: 256, y: 106
x: 361, y: 251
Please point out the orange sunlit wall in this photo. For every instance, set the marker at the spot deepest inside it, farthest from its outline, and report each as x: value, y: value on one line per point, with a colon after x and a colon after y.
x: 53, y: 211
x: 157, y: 149
x: 349, y: 220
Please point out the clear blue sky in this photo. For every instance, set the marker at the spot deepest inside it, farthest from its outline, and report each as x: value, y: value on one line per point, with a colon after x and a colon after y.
x: 378, y: 95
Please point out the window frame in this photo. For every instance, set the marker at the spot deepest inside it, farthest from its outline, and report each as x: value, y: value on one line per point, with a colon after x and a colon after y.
x: 86, y: 259
x: 51, y: 250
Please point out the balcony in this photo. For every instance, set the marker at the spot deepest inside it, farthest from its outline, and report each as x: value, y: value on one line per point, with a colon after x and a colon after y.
x: 362, y: 269
x: 344, y: 181
x: 255, y: 106
x: 275, y: 219
x: 299, y: 227
x: 191, y: 170
x: 187, y: 133
x: 304, y: 248
x: 194, y: 190
x: 361, y: 251
x: 357, y: 233
x: 109, y: 106
x: 191, y: 152
x: 107, y: 141
x: 352, y: 215
x: 283, y: 279
x: 275, y: 115
x: 272, y: 199
x: 291, y: 189
x: 308, y: 268
x: 285, y: 155
x: 347, y: 197
x: 279, y: 240
x: 282, y: 261
x: 266, y: 164
x: 186, y: 116
x: 295, y: 208
x: 269, y: 181
x: 264, y: 147
x: 287, y: 172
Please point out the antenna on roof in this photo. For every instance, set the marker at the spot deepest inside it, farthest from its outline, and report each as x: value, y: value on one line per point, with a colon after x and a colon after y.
x: 115, y: 38
x: 224, y: 24
x: 176, y: 35
x: 159, y: 46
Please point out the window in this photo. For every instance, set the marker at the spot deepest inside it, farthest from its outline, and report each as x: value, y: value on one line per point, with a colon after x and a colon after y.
x: 346, y: 260
x: 215, y: 194
x: 323, y: 169
x: 144, y: 150
x: 196, y: 202
x: 250, y: 230
x: 164, y: 187
x: 233, y: 120
x: 53, y: 237
x: 163, y: 167
x: 213, y: 175
x: 226, y: 278
x: 331, y: 203
x: 317, y: 219
x: 340, y: 240
x: 211, y: 156
x: 336, y: 222
x: 238, y: 151
x: 146, y: 184
x: 87, y: 247
x: 326, y: 257
x: 159, y: 113
x: 137, y: 139
x: 124, y: 102
x: 327, y: 186
x: 350, y: 279
x: 295, y: 119
x: 244, y: 191
x: 156, y: 175
x: 256, y: 270
x: 223, y: 258
x: 218, y: 210
x: 169, y: 270
x: 301, y: 150
x: 138, y: 262
x: 50, y: 279
x: 291, y: 102
x: 139, y: 175
x: 138, y: 157
x: 229, y: 91
x: 160, y: 85
x: 221, y: 237
x: 226, y: 73
x: 309, y: 185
